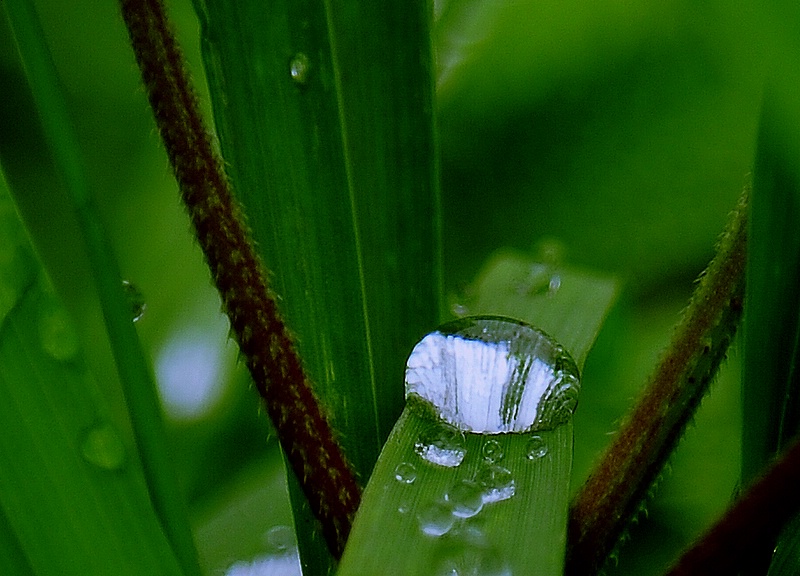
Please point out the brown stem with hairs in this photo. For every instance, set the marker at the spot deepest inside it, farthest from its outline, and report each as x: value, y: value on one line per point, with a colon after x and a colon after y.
x: 240, y: 276
x: 612, y: 495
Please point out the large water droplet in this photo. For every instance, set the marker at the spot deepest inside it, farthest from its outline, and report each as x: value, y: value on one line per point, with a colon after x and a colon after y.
x: 405, y: 473
x: 536, y: 448
x: 497, y: 482
x: 492, y: 451
x: 466, y: 497
x: 490, y: 374
x: 56, y: 332
x: 299, y: 68
x: 441, y: 444
x: 103, y: 447
x: 135, y: 300
x: 436, y: 519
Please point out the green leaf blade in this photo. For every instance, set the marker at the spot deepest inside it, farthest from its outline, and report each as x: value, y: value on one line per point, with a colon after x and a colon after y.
x: 67, y: 470
x: 525, y: 534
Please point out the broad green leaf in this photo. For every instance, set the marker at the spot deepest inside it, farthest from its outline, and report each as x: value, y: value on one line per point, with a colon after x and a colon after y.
x: 324, y: 114
x: 523, y: 534
x: 771, y: 391
x: 72, y: 491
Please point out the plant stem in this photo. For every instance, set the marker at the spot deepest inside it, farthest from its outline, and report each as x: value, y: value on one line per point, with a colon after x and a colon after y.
x: 611, y: 496
x: 739, y: 537
x: 241, y: 278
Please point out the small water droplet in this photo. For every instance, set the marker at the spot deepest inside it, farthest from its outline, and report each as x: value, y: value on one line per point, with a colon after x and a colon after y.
x: 459, y: 309
x: 135, y: 300
x: 466, y: 497
x: 405, y: 473
x: 536, y: 448
x: 58, y: 336
x: 492, y: 451
x: 441, y: 444
x: 497, y: 482
x: 281, y: 539
x: 103, y: 447
x: 436, y: 519
x: 299, y: 68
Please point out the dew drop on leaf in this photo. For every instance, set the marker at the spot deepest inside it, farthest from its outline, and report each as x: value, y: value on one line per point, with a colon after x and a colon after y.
x: 492, y: 451
x: 441, y: 444
x: 299, y: 68
x: 102, y: 446
x: 135, y: 300
x: 56, y: 332
x: 281, y: 539
x: 436, y: 519
x: 490, y: 374
x: 466, y: 498
x: 497, y: 483
x: 535, y: 448
x: 405, y: 473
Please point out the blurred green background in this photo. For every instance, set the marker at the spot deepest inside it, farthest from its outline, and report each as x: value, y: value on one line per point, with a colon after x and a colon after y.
x: 622, y: 130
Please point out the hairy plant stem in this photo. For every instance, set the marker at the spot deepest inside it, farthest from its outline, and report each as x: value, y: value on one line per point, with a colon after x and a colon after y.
x: 241, y: 278
x: 736, y: 541
x: 613, y: 494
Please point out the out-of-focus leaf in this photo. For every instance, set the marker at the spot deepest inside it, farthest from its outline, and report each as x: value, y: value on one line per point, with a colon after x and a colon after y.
x: 71, y: 491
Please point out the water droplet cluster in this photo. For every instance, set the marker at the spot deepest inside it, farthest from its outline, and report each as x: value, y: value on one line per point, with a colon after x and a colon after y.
x: 491, y: 374
x: 441, y: 444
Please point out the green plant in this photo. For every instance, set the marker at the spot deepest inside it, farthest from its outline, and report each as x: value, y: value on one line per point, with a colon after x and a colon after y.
x: 347, y: 164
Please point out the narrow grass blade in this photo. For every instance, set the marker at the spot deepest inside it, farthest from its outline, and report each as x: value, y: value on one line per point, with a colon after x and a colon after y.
x: 771, y: 385
x: 427, y: 507
x: 135, y: 374
x: 770, y: 396
x: 324, y: 116
x: 72, y: 491
x: 324, y: 113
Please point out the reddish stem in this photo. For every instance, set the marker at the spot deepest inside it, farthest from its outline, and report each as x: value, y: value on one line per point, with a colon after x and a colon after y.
x: 240, y: 276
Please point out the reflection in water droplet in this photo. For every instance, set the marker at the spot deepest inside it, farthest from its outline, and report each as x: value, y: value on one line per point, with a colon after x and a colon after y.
x: 299, y: 68
x: 281, y: 539
x: 135, y: 300
x: 492, y: 374
x: 492, y: 451
x: 103, y: 447
x: 405, y: 472
x: 497, y: 482
x: 436, y: 519
x: 58, y: 336
x: 466, y: 497
x: 536, y: 448
x: 441, y: 444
